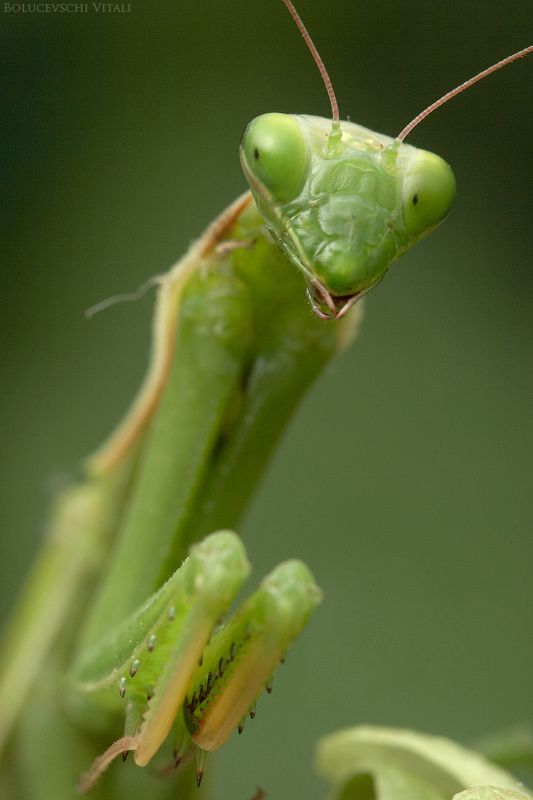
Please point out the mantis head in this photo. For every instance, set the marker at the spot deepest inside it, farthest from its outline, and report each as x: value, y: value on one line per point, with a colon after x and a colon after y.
x: 343, y: 202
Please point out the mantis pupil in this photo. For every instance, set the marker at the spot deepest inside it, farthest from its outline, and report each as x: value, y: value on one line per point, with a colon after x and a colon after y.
x: 256, y: 154
x: 415, y: 199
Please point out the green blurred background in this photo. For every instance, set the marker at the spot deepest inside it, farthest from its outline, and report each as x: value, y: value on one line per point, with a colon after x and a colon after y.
x: 405, y: 479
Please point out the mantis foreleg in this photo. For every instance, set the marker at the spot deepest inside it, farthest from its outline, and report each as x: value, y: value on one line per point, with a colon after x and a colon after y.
x: 160, y: 665
x: 235, y: 347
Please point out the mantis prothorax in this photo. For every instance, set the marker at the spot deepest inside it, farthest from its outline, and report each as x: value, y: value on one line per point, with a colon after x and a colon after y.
x: 235, y: 347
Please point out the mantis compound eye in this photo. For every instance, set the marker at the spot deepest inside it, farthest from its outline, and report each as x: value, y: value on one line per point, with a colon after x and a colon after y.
x: 428, y: 193
x: 274, y: 156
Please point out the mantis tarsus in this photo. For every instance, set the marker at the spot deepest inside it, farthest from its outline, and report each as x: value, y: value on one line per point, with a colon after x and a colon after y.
x: 252, y: 371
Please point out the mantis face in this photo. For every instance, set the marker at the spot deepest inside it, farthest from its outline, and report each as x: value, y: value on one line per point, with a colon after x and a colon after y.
x: 342, y: 203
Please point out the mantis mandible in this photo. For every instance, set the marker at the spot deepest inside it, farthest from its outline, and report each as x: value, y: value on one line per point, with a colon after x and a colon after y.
x: 341, y: 204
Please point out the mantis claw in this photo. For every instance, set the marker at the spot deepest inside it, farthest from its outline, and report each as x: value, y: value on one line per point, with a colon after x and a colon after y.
x: 318, y: 293
x: 201, y: 758
x: 204, y: 699
x: 99, y: 765
x: 315, y: 308
x: 349, y: 304
x: 338, y: 307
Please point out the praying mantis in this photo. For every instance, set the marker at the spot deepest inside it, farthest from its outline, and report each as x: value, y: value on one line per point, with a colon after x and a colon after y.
x: 251, y: 364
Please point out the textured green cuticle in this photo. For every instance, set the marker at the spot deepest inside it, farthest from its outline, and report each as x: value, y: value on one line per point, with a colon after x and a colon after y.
x: 349, y: 222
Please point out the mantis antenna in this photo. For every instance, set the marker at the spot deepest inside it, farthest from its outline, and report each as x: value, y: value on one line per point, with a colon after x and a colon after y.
x: 318, y: 61
x: 463, y: 86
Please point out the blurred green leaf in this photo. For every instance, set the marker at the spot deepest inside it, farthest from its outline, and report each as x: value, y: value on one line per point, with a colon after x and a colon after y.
x: 393, y: 764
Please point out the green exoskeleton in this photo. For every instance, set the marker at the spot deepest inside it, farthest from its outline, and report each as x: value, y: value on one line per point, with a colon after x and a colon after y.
x: 169, y: 669
x: 342, y: 203
x: 122, y: 672
x: 134, y: 655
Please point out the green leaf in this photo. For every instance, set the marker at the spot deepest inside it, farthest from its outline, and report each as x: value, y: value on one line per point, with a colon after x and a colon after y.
x: 402, y: 765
